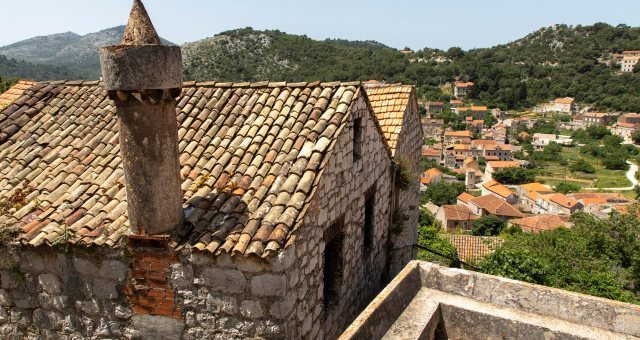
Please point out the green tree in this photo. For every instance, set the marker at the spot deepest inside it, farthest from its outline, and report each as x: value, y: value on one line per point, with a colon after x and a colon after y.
x: 581, y: 165
x: 567, y: 187
x: 597, y: 132
x: 514, y: 175
x: 488, y: 225
x: 429, y: 230
x: 615, y: 161
x: 442, y: 193
x: 636, y: 135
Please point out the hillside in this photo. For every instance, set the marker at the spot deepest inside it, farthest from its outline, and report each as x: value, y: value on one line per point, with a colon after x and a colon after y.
x: 250, y: 55
x: 20, y: 69
x: 70, y: 50
x: 552, y: 62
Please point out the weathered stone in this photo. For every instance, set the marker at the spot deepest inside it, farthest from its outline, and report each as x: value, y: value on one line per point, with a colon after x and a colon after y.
x: 281, y: 308
x: 84, y: 267
x: 50, y: 283
x: 105, y: 289
x: 88, y: 307
x: 225, y: 304
x: 21, y: 317
x: 60, y: 302
x: 10, y: 279
x: 225, y: 280
x: 114, y: 270
x: 155, y: 327
x: 269, y: 329
x: 250, y: 265
x: 123, y: 312
x: 4, y: 316
x: 47, y: 319
x: 180, y: 275
x: 251, y: 309
x: 22, y: 299
x: 269, y: 285
x: 5, y: 299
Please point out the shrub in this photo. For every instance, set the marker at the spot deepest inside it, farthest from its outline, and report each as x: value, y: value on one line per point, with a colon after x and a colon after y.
x: 567, y: 187
x: 488, y: 225
x: 582, y: 165
x: 514, y: 175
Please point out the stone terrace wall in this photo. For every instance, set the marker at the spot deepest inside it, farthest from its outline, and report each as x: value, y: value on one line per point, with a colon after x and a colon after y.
x: 409, y: 147
x: 47, y: 293
x: 341, y: 192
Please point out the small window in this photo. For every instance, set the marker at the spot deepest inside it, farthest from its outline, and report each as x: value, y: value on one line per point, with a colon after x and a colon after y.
x: 333, y: 265
x: 369, y: 219
x: 357, y: 139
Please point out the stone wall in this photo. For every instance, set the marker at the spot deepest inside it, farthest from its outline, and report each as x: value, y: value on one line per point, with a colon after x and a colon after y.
x: 404, y: 233
x: 341, y: 192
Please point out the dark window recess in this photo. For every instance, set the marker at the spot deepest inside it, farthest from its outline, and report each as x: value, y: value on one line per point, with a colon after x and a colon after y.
x: 333, y: 265
x: 369, y: 219
x: 357, y: 139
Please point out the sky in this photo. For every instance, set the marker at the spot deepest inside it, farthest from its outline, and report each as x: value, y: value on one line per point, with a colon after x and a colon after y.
x: 412, y: 23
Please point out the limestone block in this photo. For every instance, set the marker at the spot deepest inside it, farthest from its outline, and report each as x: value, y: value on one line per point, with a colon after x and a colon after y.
x: 60, y: 302
x: 88, y: 307
x: 251, y: 309
x: 5, y: 299
x: 114, y: 270
x: 250, y: 265
x: 84, y: 267
x: 9, y: 279
x: 269, y: 330
x: 217, y: 303
x: 180, y: 275
x: 269, y: 285
x: 155, y: 327
x: 50, y: 283
x: 4, y: 316
x: 225, y: 280
x: 281, y: 308
x: 123, y: 312
x: 627, y: 323
x: 21, y: 317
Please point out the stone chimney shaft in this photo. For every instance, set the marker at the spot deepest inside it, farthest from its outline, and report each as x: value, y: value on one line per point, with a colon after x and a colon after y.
x: 144, y: 79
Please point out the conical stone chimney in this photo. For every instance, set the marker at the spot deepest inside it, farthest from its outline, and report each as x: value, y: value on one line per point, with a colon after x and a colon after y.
x: 144, y: 79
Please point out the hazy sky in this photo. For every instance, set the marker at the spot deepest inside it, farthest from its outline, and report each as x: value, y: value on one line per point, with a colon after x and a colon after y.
x: 413, y: 23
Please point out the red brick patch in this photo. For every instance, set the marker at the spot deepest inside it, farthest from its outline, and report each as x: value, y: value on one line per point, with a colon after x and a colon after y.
x: 151, y: 293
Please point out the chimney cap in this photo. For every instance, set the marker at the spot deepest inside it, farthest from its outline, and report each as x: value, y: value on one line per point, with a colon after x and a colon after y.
x: 140, y: 30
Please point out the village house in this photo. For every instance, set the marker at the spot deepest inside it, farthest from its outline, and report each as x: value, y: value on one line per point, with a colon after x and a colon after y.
x: 496, y: 152
x: 560, y: 105
x: 626, y: 126
x: 501, y: 191
x: 526, y: 194
x: 461, y: 89
x: 539, y: 223
x: 457, y: 137
x: 497, y: 133
x: 434, y: 107
x: 598, y: 118
x: 435, y: 154
x: 491, y: 205
x: 541, y: 140
x: 430, y: 176
x: 629, y: 62
x: 455, y: 103
x: 601, y: 205
x: 473, y: 248
x: 453, y: 217
x: 493, y: 166
x: 553, y: 203
x: 149, y: 207
x: 432, y: 128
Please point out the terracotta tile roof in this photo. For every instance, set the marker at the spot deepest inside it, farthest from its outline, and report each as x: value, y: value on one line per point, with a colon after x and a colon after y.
x: 566, y: 100
x: 14, y: 93
x: 498, y: 189
x: 457, y: 134
x: 477, y: 142
x: 463, y: 84
x: 251, y: 156
x: 462, y: 147
x: 431, y: 152
x: 390, y: 103
x: 456, y: 101
x: 491, y: 158
x: 433, y: 172
x: 532, y: 195
x: 560, y: 199
x: 503, y: 164
x: 458, y: 213
x: 592, y: 197
x: 496, y: 206
x: 435, y: 103
x: 465, y: 197
x: 540, y: 223
x: 535, y: 187
x: 472, y: 248
x: 479, y: 108
x: 497, y: 147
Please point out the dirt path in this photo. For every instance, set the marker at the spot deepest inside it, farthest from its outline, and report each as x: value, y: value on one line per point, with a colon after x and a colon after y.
x: 631, y: 176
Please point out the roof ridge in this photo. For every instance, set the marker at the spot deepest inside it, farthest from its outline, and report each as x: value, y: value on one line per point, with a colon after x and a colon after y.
x: 192, y: 83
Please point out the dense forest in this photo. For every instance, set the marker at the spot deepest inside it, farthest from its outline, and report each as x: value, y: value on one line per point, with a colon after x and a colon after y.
x: 12, y: 68
x: 552, y: 62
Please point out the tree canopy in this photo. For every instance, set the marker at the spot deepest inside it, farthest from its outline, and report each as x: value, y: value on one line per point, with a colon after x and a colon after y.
x: 514, y: 175
x: 488, y: 225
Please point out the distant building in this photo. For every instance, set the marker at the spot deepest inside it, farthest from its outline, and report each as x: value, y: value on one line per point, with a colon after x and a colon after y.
x: 462, y: 89
x: 500, y: 191
x: 434, y: 107
x: 541, y: 140
x: 431, y: 176
x: 497, y: 152
x: 456, y: 217
x: 435, y: 154
x: 538, y: 223
x: 598, y: 118
x: 629, y: 62
x: 561, y: 105
x: 493, y: 166
x: 457, y: 137
x: 492, y: 205
x: 626, y: 126
x: 455, y: 103
x: 472, y: 248
x: 432, y: 128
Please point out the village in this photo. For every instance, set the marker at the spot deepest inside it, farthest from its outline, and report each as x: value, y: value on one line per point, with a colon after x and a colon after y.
x: 465, y: 154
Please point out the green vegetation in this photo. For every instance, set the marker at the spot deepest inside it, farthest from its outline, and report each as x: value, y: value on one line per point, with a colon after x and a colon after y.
x: 5, y: 84
x: 567, y: 187
x: 582, y: 165
x: 596, y: 257
x: 514, y: 175
x: 429, y: 230
x: 12, y: 68
x: 488, y: 225
x: 442, y: 193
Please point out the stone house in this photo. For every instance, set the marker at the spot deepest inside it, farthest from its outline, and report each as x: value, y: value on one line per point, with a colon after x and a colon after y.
x: 461, y: 89
x: 432, y: 128
x: 598, y: 118
x: 561, y: 105
x: 493, y: 166
x: 195, y: 210
x: 501, y: 191
x: 457, y: 137
x: 455, y: 217
x: 492, y: 205
x: 434, y: 107
x: 626, y: 126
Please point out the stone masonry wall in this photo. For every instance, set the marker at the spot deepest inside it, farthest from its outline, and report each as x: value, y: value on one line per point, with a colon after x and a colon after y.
x: 341, y: 192
x: 409, y: 147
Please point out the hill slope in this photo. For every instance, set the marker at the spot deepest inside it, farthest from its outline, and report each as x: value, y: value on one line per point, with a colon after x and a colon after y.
x: 76, y: 52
